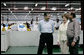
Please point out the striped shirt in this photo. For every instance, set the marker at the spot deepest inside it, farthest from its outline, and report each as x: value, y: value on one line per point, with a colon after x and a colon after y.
x: 73, y: 30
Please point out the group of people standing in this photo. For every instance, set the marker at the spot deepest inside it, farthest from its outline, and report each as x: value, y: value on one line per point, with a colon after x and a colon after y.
x: 68, y: 34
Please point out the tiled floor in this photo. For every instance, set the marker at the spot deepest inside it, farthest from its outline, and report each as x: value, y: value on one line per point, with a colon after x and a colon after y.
x: 31, y: 50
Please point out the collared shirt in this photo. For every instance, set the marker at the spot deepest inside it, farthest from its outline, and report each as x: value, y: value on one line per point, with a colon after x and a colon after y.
x: 62, y: 32
x: 46, y: 26
x: 73, y: 30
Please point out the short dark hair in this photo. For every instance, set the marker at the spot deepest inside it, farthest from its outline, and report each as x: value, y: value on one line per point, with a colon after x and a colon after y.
x: 73, y: 14
x: 3, y: 25
x: 45, y: 14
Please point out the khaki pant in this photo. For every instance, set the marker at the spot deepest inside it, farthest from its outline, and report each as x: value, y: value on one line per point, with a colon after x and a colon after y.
x: 64, y: 47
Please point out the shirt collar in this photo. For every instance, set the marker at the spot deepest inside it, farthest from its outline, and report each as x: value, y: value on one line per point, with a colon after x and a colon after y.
x: 46, y: 21
x: 72, y: 20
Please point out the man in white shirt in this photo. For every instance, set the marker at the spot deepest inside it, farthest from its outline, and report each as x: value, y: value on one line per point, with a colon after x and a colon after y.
x: 46, y: 27
x: 57, y: 24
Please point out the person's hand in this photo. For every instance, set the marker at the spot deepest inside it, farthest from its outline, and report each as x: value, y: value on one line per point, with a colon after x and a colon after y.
x: 67, y: 43
x: 73, y: 43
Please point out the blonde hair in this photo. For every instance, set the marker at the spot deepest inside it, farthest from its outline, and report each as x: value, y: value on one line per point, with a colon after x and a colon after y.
x: 65, y: 15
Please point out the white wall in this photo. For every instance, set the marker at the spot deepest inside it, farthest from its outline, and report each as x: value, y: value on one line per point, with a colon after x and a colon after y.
x: 20, y: 38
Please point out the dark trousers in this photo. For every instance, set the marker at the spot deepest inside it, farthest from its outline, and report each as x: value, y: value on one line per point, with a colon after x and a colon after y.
x: 73, y: 49
x: 48, y: 39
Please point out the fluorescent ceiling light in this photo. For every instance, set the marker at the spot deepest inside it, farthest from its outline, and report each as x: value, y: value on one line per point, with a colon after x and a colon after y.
x: 53, y: 8
x: 25, y: 8
x: 36, y: 4
x: 79, y: 8
x: 65, y: 12
x: 4, y: 4
x: 76, y: 9
x: 15, y: 8
x: 68, y: 9
x: 43, y: 8
x: 32, y: 9
x: 66, y: 5
x: 9, y: 9
x: 71, y: 8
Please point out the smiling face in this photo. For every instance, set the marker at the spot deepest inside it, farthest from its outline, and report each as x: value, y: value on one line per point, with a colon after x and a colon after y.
x: 64, y: 19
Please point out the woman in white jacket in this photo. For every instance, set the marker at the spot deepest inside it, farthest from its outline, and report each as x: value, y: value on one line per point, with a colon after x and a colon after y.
x: 62, y: 37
